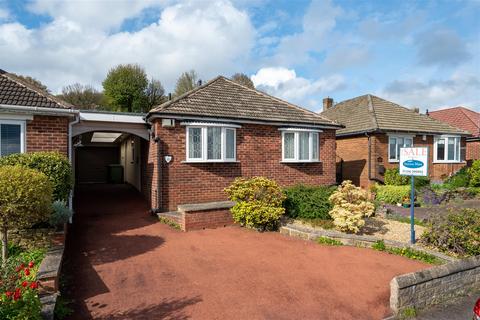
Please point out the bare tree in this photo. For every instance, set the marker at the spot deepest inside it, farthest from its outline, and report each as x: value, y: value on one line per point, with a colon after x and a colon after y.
x: 186, y: 82
x: 32, y: 81
x: 243, y: 79
x: 82, y: 96
x: 155, y: 93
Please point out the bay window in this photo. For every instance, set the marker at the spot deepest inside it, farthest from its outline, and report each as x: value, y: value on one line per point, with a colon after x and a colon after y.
x: 210, y: 143
x: 12, y: 137
x: 395, y: 142
x: 447, y: 149
x: 300, y: 146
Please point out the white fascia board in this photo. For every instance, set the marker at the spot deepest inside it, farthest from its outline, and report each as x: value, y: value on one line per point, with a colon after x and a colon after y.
x: 209, y: 124
x: 300, y: 129
x: 14, y: 116
x: 39, y: 110
x: 110, y: 117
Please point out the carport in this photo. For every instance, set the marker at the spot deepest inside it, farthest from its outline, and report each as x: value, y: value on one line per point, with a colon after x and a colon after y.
x: 108, y: 147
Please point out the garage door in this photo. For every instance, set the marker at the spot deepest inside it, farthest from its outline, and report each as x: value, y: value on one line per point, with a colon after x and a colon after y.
x: 91, y: 163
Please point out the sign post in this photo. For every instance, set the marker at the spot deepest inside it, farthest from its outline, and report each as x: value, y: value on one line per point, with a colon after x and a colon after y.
x: 413, y: 163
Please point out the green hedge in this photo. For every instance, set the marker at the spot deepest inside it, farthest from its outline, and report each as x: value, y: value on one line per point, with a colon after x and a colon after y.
x: 309, y: 202
x: 53, y: 164
x: 393, y: 178
x: 392, y: 194
x: 474, y: 173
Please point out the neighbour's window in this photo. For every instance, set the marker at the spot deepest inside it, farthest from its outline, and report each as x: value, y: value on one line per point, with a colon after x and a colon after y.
x: 447, y: 149
x: 394, y: 145
x: 11, y: 137
x: 211, y: 144
x: 299, y: 146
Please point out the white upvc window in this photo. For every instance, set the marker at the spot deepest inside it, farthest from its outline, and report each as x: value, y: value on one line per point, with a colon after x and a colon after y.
x: 211, y: 144
x: 12, y: 137
x: 395, y: 142
x: 300, y: 145
x: 447, y: 149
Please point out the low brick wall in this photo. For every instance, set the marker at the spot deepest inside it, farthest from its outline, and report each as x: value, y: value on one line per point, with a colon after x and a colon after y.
x: 201, y: 216
x: 435, y: 285
x: 197, y: 220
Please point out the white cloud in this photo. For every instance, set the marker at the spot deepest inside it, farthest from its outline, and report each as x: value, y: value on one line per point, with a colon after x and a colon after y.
x: 285, y: 83
x: 210, y: 37
x: 462, y: 88
x: 318, y: 21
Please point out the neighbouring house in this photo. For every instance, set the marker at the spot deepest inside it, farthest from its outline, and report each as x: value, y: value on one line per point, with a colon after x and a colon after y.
x: 32, y: 119
x: 207, y: 137
x: 467, y: 120
x: 375, y: 130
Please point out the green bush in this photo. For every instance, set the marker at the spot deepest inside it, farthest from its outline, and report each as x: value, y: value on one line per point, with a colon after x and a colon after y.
x: 61, y: 214
x: 393, y: 178
x: 392, y: 194
x: 461, y: 179
x: 54, y: 165
x: 308, y: 202
x: 406, y: 252
x: 25, y: 198
x: 474, y: 173
x: 456, y: 232
x: 259, y: 202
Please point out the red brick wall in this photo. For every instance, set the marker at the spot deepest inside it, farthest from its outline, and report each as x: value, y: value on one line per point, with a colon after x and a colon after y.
x: 437, y: 171
x: 258, y: 154
x: 47, y: 133
x: 354, y: 153
x: 473, y: 150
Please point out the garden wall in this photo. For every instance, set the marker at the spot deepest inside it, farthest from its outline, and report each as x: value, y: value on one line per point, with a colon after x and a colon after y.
x: 435, y: 285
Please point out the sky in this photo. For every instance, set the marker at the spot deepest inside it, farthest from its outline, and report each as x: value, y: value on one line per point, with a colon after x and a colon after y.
x: 416, y: 53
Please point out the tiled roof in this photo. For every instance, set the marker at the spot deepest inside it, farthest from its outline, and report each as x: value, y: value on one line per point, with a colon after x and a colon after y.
x: 16, y: 92
x: 460, y: 117
x: 223, y: 98
x: 369, y: 113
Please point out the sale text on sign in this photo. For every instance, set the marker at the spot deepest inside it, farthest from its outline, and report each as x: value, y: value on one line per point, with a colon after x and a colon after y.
x: 414, y: 161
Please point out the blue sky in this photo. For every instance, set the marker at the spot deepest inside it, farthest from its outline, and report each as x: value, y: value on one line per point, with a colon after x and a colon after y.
x: 416, y: 53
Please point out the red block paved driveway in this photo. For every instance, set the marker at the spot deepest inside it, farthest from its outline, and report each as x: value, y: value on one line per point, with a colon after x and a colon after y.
x: 123, y: 264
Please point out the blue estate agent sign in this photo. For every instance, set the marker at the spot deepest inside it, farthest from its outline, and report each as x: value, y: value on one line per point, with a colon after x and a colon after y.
x: 414, y: 162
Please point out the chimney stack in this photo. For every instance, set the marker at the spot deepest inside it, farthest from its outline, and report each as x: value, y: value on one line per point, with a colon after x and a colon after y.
x: 416, y: 109
x: 327, y: 103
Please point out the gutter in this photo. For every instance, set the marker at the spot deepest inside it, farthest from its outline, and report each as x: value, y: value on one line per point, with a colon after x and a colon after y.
x: 40, y: 110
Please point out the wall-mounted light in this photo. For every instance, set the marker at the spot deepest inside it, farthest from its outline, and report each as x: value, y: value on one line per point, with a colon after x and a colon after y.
x: 168, y: 158
x: 424, y: 137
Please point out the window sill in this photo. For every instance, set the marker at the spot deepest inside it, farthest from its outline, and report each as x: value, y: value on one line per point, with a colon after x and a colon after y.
x: 228, y: 161
x: 393, y: 161
x: 299, y: 161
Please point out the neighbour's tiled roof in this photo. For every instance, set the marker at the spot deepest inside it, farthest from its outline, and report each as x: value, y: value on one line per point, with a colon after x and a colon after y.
x: 16, y: 92
x: 460, y: 117
x: 223, y: 98
x: 369, y: 113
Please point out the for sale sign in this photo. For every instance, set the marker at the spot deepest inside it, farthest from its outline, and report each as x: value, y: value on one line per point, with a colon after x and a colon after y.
x: 414, y: 162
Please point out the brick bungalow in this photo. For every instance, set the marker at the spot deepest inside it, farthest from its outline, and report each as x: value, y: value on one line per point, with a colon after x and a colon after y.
x: 467, y: 120
x: 31, y: 119
x: 375, y: 129
x: 207, y: 137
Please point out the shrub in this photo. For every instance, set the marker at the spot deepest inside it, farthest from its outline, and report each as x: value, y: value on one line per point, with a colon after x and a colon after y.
x: 259, y: 202
x: 25, y: 198
x: 350, y: 206
x: 406, y: 252
x: 431, y: 197
x: 328, y: 241
x: 474, y: 173
x: 53, y: 164
x: 61, y: 214
x: 393, y: 178
x: 308, y: 202
x: 461, y: 179
x: 457, y: 232
x: 392, y: 194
